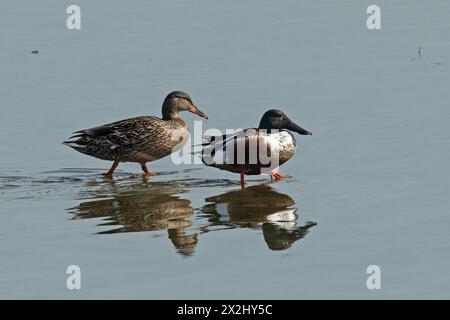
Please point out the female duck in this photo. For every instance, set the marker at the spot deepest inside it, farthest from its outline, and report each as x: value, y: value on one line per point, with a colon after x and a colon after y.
x: 255, y: 150
x: 141, y: 139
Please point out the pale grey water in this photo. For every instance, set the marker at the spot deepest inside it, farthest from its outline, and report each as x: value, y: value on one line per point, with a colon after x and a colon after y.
x: 374, y: 176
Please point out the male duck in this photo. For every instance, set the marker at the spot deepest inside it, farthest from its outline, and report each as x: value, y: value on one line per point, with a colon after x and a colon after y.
x: 243, y: 151
x: 141, y: 139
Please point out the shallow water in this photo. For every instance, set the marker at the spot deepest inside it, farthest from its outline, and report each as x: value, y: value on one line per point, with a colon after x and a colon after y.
x: 369, y: 187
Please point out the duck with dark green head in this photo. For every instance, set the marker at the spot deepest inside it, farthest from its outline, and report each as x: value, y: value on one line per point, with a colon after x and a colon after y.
x: 242, y: 151
x: 140, y: 139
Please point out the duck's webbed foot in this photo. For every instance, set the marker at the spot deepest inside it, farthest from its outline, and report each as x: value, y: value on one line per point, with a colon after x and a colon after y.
x: 276, y: 175
x: 146, y: 170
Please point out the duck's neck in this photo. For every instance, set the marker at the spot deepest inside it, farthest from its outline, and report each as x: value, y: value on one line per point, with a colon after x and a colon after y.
x: 169, y: 112
x: 265, y: 124
x: 268, y: 129
x: 170, y: 116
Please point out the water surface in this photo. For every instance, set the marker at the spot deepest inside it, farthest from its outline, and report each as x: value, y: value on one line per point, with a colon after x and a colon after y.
x: 369, y: 187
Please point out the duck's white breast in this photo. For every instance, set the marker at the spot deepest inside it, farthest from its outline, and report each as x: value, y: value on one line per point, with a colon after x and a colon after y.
x: 284, y: 140
x: 284, y: 143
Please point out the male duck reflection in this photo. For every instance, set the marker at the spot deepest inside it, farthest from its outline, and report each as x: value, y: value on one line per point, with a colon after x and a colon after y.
x: 258, y: 207
x: 243, y: 151
x: 141, y: 139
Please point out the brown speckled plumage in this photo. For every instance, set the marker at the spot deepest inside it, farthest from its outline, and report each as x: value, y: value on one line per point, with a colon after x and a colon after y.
x: 140, y: 139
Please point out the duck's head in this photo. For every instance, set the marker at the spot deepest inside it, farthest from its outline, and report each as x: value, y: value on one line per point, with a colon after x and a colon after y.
x: 177, y: 101
x: 276, y: 119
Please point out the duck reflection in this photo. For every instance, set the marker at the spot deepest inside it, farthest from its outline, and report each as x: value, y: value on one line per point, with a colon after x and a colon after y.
x: 258, y: 207
x: 138, y: 209
x: 130, y: 206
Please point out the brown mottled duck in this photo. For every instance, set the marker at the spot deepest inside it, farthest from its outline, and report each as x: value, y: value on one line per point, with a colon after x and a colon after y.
x: 140, y: 139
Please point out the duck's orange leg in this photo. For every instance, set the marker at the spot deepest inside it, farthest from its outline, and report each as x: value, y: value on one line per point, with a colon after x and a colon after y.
x: 146, y: 170
x: 277, y: 175
x: 242, y: 180
x: 109, y: 174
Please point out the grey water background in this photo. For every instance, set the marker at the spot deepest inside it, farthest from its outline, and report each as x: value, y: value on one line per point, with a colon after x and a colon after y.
x: 374, y: 176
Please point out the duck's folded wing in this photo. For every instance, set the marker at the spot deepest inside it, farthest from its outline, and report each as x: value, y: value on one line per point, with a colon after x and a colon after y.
x: 124, y: 132
x: 239, y: 147
x: 227, y: 139
x: 93, y: 132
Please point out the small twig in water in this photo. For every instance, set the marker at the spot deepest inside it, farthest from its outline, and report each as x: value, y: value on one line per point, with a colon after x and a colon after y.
x: 419, y: 54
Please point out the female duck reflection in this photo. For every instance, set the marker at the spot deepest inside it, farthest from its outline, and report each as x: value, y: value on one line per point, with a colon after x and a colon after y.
x: 258, y: 207
x: 142, y: 207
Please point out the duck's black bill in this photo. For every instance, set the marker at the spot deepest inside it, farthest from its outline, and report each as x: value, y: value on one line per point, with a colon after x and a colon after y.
x: 195, y: 110
x: 296, y: 128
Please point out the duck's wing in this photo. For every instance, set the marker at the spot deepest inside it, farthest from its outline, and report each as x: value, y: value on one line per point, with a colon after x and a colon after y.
x: 222, y: 141
x: 240, y: 148
x: 123, y: 132
x: 226, y: 139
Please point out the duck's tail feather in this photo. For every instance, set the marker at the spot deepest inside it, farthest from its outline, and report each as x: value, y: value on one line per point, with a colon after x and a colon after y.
x: 75, y: 145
